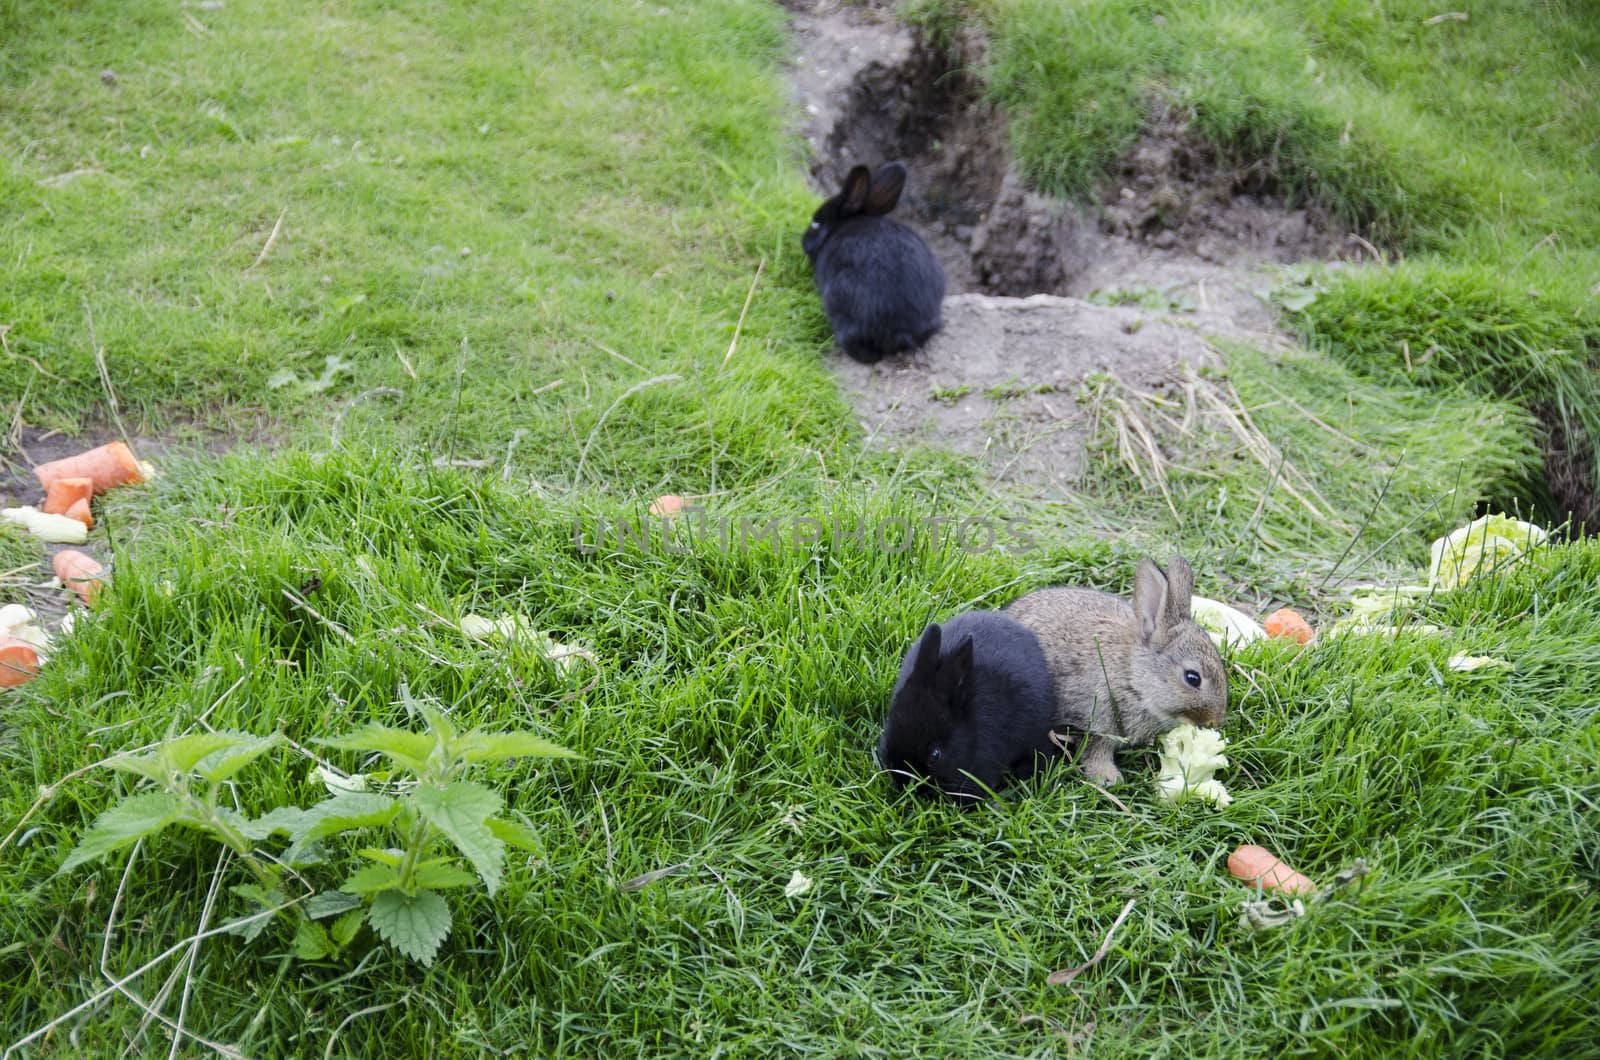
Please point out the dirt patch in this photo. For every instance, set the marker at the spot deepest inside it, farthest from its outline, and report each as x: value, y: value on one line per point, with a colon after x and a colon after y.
x: 18, y: 486
x: 1570, y: 472
x: 33, y: 446
x: 1000, y: 382
x: 1174, y: 192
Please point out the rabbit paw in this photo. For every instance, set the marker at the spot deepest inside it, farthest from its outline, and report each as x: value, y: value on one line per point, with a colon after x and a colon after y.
x: 1107, y: 776
x: 1100, y: 763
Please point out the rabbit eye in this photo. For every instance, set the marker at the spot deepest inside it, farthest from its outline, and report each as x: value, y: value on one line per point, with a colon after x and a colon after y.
x: 1192, y: 677
x: 934, y: 755
x: 815, y: 226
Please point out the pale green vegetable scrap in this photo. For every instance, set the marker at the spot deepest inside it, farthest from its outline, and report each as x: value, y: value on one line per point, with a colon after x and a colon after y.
x: 1483, y: 545
x: 338, y: 783
x: 51, y: 529
x: 506, y: 627
x: 1368, y: 606
x: 518, y: 627
x: 1224, y: 624
x: 1189, y: 757
x: 1463, y: 663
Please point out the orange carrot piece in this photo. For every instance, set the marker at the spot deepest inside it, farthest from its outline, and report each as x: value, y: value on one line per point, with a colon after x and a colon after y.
x: 666, y: 504
x: 19, y: 662
x: 109, y: 466
x: 1285, y: 622
x: 80, y: 511
x: 1258, y: 865
x: 63, y: 493
x: 79, y: 572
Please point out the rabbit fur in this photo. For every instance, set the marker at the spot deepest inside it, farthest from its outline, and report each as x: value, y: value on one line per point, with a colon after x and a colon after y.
x: 973, y: 703
x: 881, y: 286
x: 1124, y: 673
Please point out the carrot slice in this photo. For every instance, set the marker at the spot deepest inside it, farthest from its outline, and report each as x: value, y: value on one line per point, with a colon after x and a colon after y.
x: 63, y: 493
x: 80, y: 511
x: 1258, y: 865
x: 79, y: 572
x: 1286, y: 622
x: 666, y: 504
x: 109, y: 466
x: 19, y: 662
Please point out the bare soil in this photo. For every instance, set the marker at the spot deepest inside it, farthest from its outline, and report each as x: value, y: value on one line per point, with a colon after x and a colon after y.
x: 32, y: 446
x: 1000, y: 383
x: 1173, y: 192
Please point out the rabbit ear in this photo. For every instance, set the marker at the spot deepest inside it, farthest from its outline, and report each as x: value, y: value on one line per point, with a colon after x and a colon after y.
x: 955, y: 673
x: 887, y: 184
x: 926, y: 664
x: 856, y: 186
x: 1150, y: 601
x: 1180, y: 588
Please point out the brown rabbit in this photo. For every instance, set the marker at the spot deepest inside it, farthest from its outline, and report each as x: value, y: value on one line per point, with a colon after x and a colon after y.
x: 1126, y: 674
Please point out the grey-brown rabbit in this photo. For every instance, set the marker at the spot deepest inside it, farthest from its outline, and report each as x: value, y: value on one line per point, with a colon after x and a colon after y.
x: 1125, y: 674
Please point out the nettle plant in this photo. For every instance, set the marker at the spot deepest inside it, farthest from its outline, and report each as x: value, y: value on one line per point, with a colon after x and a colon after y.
x: 426, y: 819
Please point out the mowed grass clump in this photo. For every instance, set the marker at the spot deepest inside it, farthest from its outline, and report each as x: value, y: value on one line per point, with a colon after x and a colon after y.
x: 1461, y: 325
x: 726, y: 735
x: 1531, y: 337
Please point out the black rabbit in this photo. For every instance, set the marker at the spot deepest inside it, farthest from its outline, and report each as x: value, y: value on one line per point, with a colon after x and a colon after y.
x: 974, y: 702
x: 880, y: 284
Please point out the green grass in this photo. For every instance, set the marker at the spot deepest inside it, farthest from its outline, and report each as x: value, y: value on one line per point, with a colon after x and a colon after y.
x: 1359, y: 475
x: 17, y: 549
x: 741, y: 690
x: 1470, y: 328
x: 475, y: 207
x: 619, y: 172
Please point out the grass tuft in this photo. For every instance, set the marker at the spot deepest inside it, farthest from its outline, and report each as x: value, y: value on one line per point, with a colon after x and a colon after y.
x: 728, y: 738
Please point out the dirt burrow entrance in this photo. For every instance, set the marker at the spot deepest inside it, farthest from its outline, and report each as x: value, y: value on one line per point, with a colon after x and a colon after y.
x: 1570, y: 474
x: 875, y: 90
x: 1042, y: 293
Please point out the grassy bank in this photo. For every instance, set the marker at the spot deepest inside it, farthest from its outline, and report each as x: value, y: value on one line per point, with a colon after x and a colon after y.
x: 1463, y: 141
x: 1420, y: 130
